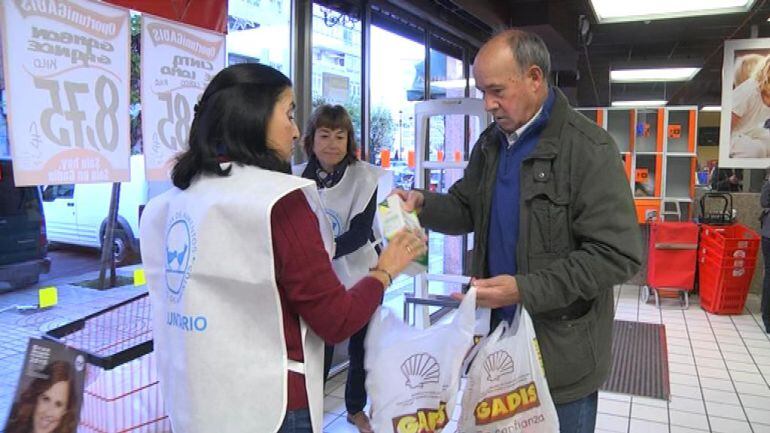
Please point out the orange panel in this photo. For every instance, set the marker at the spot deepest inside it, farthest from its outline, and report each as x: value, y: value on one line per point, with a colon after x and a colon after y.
x: 627, y: 162
x: 599, y: 117
x: 658, y: 157
x: 410, y: 159
x: 632, y: 132
x: 645, y: 205
x: 385, y: 158
x: 692, y: 137
x: 642, y: 174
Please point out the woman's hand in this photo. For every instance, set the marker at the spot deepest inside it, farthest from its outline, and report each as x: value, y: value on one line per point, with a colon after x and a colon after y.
x: 402, y: 248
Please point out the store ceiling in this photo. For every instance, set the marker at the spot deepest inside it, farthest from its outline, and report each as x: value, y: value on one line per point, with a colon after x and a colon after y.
x: 584, y: 68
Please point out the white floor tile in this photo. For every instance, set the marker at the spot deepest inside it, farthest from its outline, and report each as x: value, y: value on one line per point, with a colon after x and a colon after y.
x: 716, y: 373
x: 652, y: 402
x: 678, y: 429
x: 684, y: 390
x: 681, y: 359
x: 341, y: 425
x: 758, y: 415
x: 723, y: 397
x: 738, y: 348
x: 710, y: 363
x: 755, y: 402
x: 719, y: 384
x: 334, y: 405
x: 330, y: 418
x: 679, y: 350
x: 725, y: 410
x: 681, y: 368
x: 689, y: 419
x: 674, y: 341
x: 753, y: 389
x: 613, y: 423
x: 642, y: 426
x: 740, y: 376
x: 687, y: 405
x: 724, y: 425
x: 649, y: 413
x: 748, y: 367
x: 614, y: 407
x: 614, y: 396
x: 738, y: 357
x: 683, y: 379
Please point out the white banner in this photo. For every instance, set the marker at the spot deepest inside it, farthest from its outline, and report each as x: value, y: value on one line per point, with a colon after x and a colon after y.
x: 178, y: 61
x: 67, y: 76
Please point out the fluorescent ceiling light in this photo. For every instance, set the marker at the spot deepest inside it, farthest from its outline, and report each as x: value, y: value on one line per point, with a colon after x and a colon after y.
x: 614, y: 11
x: 711, y: 108
x: 651, y: 103
x: 652, y: 75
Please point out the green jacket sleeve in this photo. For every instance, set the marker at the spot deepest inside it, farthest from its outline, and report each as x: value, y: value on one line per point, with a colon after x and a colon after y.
x: 604, y: 226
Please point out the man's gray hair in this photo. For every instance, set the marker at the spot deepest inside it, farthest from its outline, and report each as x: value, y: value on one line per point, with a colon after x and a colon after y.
x: 529, y: 49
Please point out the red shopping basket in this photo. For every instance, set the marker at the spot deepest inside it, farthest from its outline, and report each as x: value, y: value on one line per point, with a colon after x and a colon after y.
x: 727, y: 259
x: 122, y: 392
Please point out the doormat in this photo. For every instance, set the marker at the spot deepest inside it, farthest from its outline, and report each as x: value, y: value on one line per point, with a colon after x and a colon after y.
x: 639, y: 360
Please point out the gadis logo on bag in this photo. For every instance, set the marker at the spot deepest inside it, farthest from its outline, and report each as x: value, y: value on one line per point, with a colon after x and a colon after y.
x: 422, y: 421
x: 507, y: 405
x: 497, y: 365
x: 420, y: 370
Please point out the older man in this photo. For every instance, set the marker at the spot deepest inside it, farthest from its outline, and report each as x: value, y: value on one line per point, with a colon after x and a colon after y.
x: 553, y: 216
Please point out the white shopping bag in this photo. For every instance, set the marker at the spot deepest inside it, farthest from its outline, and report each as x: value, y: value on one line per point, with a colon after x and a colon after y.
x: 506, y: 390
x: 413, y: 375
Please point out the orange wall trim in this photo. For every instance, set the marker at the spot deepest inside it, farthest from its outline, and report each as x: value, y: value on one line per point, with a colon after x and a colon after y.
x: 600, y: 117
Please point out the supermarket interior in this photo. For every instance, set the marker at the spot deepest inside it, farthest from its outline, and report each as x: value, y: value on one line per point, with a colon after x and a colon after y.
x: 406, y: 216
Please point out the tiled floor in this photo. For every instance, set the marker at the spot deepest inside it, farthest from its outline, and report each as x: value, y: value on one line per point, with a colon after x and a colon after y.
x: 719, y: 372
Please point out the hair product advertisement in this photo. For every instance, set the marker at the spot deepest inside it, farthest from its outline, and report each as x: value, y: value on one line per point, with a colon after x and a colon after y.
x: 50, y: 391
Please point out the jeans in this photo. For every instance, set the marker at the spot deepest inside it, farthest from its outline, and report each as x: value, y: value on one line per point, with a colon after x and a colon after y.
x: 578, y: 416
x: 296, y: 421
x: 766, y: 284
x: 355, y: 391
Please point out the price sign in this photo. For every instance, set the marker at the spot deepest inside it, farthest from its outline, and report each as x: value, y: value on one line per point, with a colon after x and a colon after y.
x: 67, y: 65
x: 178, y: 61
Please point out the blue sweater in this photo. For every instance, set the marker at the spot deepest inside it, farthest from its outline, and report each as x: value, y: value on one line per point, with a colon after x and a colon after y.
x: 504, y: 222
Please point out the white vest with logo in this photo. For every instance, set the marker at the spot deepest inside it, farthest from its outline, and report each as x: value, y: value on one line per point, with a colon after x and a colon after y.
x: 348, y: 198
x: 217, y: 319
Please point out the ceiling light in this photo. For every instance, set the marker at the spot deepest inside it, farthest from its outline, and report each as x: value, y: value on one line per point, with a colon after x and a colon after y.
x: 652, y: 75
x: 711, y: 108
x: 613, y: 11
x: 650, y: 103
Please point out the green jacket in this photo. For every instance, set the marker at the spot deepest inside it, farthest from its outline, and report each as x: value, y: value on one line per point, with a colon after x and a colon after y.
x: 578, y: 238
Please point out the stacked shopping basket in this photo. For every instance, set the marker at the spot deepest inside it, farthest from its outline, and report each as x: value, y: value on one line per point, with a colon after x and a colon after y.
x: 727, y: 257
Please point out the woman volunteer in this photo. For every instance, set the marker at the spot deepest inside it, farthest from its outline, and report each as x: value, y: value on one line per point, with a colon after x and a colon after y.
x: 239, y: 271
x: 348, y: 190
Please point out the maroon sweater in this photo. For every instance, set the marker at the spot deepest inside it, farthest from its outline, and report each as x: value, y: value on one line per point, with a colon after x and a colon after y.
x: 309, y: 288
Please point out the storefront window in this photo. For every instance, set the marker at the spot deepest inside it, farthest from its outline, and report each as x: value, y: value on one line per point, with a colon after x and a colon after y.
x: 337, y: 62
x: 397, y: 77
x: 259, y: 31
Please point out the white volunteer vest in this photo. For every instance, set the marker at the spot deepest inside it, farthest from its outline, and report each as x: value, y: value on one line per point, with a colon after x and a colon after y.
x: 217, y: 320
x: 348, y: 198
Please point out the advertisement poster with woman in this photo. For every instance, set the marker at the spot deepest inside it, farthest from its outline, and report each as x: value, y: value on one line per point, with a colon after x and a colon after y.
x: 50, y: 390
x: 745, y: 125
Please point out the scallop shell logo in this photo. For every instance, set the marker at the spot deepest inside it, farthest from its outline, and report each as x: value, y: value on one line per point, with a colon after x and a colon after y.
x: 498, y: 364
x: 420, y: 369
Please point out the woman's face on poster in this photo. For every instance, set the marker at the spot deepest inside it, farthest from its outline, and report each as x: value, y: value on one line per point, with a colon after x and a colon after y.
x: 50, y: 408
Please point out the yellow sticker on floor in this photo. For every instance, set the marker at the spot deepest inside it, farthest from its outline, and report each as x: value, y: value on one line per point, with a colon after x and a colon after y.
x: 48, y: 297
x: 139, y: 279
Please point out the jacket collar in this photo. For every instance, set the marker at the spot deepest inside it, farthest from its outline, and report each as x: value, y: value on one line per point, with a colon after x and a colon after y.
x: 548, y: 145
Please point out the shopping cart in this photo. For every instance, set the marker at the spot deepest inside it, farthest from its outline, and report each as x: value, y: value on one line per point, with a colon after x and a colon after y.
x: 121, y: 386
x: 671, y: 261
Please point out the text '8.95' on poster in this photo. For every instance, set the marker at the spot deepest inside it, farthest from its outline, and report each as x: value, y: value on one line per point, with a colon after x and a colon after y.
x: 67, y: 77
x: 178, y: 61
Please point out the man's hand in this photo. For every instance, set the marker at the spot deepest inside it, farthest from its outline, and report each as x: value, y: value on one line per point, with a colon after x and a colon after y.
x: 413, y: 200
x: 495, y: 292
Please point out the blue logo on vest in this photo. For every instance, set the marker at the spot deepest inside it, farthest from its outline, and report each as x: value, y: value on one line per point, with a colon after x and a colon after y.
x: 180, y: 250
x: 336, y: 222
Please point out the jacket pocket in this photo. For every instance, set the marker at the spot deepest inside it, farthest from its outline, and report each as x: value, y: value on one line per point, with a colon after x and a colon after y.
x: 549, y: 230
x: 568, y: 347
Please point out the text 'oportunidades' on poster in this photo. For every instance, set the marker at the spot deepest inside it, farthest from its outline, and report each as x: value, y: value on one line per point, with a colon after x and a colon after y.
x: 178, y: 61
x: 67, y: 79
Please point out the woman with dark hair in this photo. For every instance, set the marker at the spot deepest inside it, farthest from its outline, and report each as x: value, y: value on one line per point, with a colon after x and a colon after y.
x: 239, y: 268
x: 48, y: 405
x: 348, y: 190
